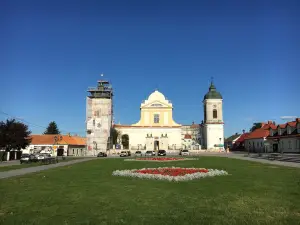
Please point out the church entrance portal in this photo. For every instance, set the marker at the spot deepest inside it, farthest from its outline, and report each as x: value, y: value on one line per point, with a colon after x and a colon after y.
x: 156, y: 145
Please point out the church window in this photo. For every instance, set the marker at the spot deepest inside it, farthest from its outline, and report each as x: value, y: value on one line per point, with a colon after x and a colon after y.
x: 215, y: 114
x: 204, y: 112
x: 156, y: 118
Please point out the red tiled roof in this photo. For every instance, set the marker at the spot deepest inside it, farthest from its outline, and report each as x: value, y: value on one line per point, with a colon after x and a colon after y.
x: 242, y: 137
x: 187, y: 136
x: 258, y: 133
x: 292, y: 124
x: 282, y: 125
x: 48, y: 139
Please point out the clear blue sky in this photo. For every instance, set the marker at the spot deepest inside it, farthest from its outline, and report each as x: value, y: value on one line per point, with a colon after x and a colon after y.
x: 52, y: 51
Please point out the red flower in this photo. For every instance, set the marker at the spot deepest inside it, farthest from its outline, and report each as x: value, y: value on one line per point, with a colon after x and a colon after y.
x: 159, y: 159
x: 171, y: 171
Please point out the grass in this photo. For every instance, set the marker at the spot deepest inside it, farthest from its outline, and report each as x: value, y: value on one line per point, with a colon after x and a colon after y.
x: 86, y: 193
x: 26, y: 165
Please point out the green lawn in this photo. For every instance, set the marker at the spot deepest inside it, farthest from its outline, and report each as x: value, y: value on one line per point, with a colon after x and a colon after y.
x: 25, y: 165
x: 86, y: 193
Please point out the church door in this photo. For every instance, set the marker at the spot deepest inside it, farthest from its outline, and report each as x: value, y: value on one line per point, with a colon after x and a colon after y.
x: 156, y: 145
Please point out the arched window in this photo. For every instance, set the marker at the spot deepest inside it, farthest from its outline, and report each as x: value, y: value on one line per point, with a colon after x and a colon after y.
x: 215, y: 114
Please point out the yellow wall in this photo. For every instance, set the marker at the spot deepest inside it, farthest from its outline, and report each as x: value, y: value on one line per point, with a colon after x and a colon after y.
x: 163, y: 121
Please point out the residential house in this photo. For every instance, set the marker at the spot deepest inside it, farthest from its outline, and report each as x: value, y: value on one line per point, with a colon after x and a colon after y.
x: 230, y: 141
x: 256, y: 140
x: 57, y: 145
x: 240, y: 142
x: 285, y: 138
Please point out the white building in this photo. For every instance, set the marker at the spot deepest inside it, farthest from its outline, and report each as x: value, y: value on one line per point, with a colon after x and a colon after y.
x: 156, y: 128
x: 213, y: 127
x: 284, y: 138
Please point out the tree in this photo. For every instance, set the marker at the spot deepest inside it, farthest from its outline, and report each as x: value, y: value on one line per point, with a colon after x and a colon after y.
x: 255, y: 126
x: 125, y: 141
x: 14, y: 135
x: 52, y: 128
x: 114, y: 134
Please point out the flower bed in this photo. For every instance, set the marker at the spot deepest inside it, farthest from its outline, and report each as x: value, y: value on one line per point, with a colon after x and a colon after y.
x: 170, y: 173
x: 159, y: 159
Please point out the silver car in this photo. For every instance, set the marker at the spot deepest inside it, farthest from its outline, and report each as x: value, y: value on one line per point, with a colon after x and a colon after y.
x: 149, y: 153
x: 138, y: 153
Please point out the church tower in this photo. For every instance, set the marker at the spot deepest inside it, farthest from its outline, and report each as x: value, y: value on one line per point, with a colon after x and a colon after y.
x: 213, y: 127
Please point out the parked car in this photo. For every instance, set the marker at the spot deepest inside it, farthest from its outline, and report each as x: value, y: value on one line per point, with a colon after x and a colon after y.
x: 185, y: 152
x: 149, y: 153
x: 102, y: 154
x: 123, y: 154
x: 138, y: 153
x: 162, y: 153
x: 25, y: 158
x: 153, y: 153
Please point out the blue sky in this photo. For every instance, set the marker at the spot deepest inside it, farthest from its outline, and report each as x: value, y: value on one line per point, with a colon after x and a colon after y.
x: 52, y: 51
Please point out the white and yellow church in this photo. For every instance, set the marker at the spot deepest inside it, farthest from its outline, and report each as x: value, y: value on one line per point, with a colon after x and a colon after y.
x: 156, y: 128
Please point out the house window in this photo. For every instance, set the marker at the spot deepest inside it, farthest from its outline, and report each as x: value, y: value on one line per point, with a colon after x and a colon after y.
x: 289, y: 130
x: 271, y: 133
x: 215, y: 114
x: 290, y: 145
x: 279, y: 131
x: 156, y: 118
x: 94, y: 122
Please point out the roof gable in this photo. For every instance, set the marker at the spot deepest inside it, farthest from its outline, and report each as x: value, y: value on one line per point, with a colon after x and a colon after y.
x: 232, y: 137
x: 156, y: 104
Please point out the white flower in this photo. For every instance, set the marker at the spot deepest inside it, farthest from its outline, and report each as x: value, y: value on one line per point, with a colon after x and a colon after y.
x: 186, y: 177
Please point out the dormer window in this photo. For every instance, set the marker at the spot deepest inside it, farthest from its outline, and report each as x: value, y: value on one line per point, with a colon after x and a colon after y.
x: 279, y: 131
x: 271, y: 133
x: 289, y: 130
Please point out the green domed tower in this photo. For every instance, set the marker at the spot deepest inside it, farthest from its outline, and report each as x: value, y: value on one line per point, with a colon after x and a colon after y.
x: 212, y: 93
x: 213, y: 127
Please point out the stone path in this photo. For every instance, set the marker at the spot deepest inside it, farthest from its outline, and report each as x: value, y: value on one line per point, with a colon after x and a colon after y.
x: 242, y: 157
x: 9, y: 163
x: 23, y: 171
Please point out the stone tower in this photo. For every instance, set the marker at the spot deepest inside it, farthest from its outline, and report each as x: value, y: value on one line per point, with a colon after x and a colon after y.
x: 213, y: 127
x: 99, y: 114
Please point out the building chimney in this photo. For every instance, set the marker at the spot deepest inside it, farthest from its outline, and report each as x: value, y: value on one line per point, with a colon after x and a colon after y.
x: 193, y: 123
x: 243, y: 131
x: 270, y: 122
x: 298, y: 120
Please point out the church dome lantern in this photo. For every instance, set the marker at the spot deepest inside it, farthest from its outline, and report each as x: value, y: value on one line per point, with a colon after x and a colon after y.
x: 212, y: 93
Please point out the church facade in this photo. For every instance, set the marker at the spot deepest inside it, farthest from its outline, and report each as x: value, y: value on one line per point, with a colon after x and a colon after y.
x: 156, y: 128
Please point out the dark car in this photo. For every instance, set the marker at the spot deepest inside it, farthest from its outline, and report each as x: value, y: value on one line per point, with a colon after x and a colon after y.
x: 128, y: 153
x: 102, y: 154
x: 162, y: 153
